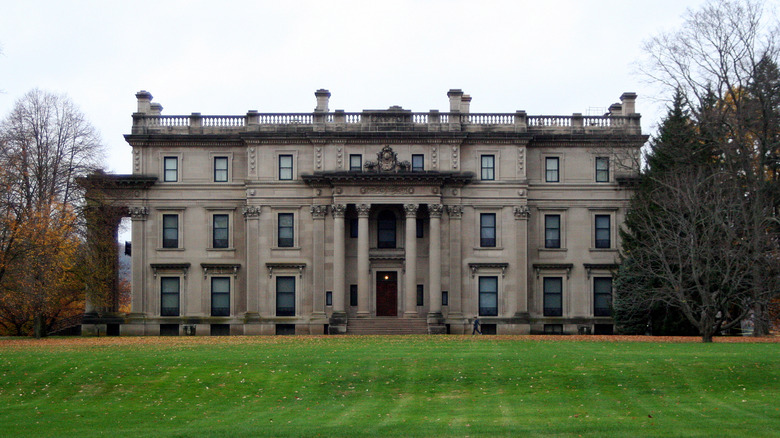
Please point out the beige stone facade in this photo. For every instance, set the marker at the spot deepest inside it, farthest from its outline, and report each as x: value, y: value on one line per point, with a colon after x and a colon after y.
x: 335, y: 222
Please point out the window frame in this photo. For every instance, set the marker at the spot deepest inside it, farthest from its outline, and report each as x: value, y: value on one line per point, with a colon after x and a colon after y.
x: 214, y: 231
x: 226, y: 170
x: 487, y: 173
x: 288, y: 242
x: 353, y: 228
x: 420, y: 295
x: 352, y: 167
x: 600, y: 310
x: 287, y: 310
x: 602, y: 243
x: 602, y: 174
x: 166, y: 242
x: 419, y: 227
x: 353, y: 295
x: 221, y: 310
x: 548, y: 172
x: 549, y: 310
x: 550, y: 243
x: 163, y: 294
x: 415, y: 166
x: 281, y: 167
x: 175, y: 160
x: 379, y: 222
x: 484, y: 242
x: 484, y: 293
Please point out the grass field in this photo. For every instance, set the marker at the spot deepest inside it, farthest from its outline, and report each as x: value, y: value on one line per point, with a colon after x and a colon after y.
x: 386, y: 386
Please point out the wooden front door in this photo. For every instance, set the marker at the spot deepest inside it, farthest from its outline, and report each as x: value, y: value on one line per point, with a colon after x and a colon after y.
x: 386, y: 294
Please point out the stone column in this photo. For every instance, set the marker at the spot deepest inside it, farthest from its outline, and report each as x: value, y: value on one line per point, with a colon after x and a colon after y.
x: 522, y: 213
x: 318, y: 213
x: 252, y: 218
x: 434, y: 257
x: 138, y: 217
x: 363, y: 274
x: 338, y: 320
x: 455, y: 214
x: 410, y: 283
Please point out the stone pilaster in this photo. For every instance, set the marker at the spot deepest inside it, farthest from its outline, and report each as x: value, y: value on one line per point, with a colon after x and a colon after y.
x: 252, y: 218
x: 410, y: 247
x: 318, y: 213
x: 138, y: 216
x: 338, y: 321
x: 363, y: 274
x: 522, y: 213
x: 455, y: 214
x: 435, y: 319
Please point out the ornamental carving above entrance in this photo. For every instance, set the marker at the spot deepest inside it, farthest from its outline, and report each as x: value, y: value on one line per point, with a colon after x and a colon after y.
x: 387, y: 161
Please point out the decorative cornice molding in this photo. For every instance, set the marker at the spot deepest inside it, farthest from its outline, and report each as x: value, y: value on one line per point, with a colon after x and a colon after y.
x: 475, y: 267
x: 219, y: 268
x: 138, y: 213
x: 180, y: 267
x: 539, y: 267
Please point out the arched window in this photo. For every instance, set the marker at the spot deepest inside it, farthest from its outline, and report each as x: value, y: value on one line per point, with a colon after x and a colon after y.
x: 386, y: 229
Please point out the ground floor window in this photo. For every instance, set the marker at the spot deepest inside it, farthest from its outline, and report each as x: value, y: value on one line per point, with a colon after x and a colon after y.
x: 553, y: 296
x: 602, y: 296
x: 285, y: 296
x: 169, y: 293
x: 220, y: 296
x: 488, y: 296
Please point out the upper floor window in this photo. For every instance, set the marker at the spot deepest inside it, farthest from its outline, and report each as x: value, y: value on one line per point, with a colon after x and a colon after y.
x: 551, y: 168
x: 169, y: 296
x: 170, y: 231
x: 418, y: 162
x: 220, y: 169
x: 488, y: 296
x: 553, y: 296
x: 170, y: 169
x: 385, y: 228
x: 285, y: 167
x: 353, y: 227
x: 420, y: 228
x: 602, y: 169
x: 286, y: 233
x: 603, y: 239
x: 487, y: 230
x: 488, y: 167
x: 220, y: 231
x: 602, y: 296
x: 355, y: 162
x: 552, y: 231
x: 220, y: 296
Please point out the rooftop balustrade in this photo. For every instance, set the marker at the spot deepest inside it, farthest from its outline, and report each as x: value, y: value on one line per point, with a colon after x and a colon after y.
x: 385, y: 121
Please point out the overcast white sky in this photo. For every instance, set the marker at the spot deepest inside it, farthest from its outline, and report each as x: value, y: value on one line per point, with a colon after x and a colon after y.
x: 227, y: 57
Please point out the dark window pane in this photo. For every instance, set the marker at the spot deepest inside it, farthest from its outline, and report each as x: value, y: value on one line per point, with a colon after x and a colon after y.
x: 488, y: 163
x: 602, y: 169
x: 420, y: 295
x: 551, y: 169
x: 602, y: 296
x: 220, y: 169
x: 552, y: 231
x: 420, y: 228
x: 353, y: 228
x: 386, y: 230
x: 355, y: 162
x: 553, y: 296
x: 418, y: 163
x: 488, y: 296
x: 285, y: 167
x: 220, y: 296
x: 285, y: 296
x: 221, y: 231
x: 286, y: 233
x: 487, y: 230
x: 353, y: 295
x: 171, y: 171
x: 602, y: 231
x: 169, y: 292
x: 170, y: 231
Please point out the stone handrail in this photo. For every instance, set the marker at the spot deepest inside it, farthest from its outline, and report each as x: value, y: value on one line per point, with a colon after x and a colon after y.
x: 339, y: 120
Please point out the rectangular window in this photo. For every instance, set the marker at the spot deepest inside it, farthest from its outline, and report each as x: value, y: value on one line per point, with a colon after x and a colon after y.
x: 488, y: 296
x: 488, y: 167
x: 220, y: 169
x: 285, y: 167
x: 603, y: 239
x: 220, y: 296
x: 286, y: 230
x: 220, y: 231
x: 328, y: 298
x: 170, y: 231
x: 418, y: 162
x: 169, y: 293
x: 551, y: 169
x: 487, y: 230
x: 420, y: 295
x: 171, y: 171
x: 355, y: 162
x: 445, y: 298
x: 602, y: 169
x: 353, y: 228
x: 602, y: 296
x: 353, y: 295
x: 285, y: 296
x: 553, y: 296
x: 420, y: 228
x: 552, y: 231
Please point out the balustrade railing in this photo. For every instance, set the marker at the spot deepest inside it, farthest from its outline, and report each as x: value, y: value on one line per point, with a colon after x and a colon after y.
x: 488, y: 119
x: 223, y: 121
x: 549, y: 121
x: 168, y: 121
x: 286, y: 119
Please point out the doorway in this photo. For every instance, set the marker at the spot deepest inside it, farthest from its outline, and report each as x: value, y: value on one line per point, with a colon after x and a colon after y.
x: 386, y: 294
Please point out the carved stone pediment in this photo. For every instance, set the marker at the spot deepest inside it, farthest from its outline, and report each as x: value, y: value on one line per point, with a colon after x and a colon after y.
x: 387, y: 161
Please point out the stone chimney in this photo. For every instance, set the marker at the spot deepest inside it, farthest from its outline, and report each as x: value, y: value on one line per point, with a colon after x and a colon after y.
x: 629, y: 103
x: 465, y: 103
x: 616, y: 109
x: 323, y: 96
x: 456, y: 96
x: 144, y: 101
x: 155, y: 109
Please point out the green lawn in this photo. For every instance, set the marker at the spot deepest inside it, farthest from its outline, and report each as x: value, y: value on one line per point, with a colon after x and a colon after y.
x: 386, y: 386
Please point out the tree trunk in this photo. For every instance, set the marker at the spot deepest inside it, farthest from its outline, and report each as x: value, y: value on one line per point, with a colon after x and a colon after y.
x: 39, y: 327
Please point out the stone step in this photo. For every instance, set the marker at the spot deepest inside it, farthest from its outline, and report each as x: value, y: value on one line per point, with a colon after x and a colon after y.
x: 387, y: 326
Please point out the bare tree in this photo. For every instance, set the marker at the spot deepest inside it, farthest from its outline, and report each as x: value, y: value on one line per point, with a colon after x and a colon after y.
x: 45, y: 145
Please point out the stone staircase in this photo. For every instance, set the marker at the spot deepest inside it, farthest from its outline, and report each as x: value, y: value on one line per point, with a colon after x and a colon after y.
x: 387, y: 326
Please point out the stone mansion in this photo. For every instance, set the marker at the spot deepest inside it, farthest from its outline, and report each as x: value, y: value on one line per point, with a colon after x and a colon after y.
x: 380, y: 221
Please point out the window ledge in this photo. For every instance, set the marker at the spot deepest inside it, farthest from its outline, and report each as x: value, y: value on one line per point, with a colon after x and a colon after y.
x: 221, y: 249
x: 603, y: 249
x: 553, y: 249
x: 170, y: 249
x: 488, y: 248
x: 285, y: 248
